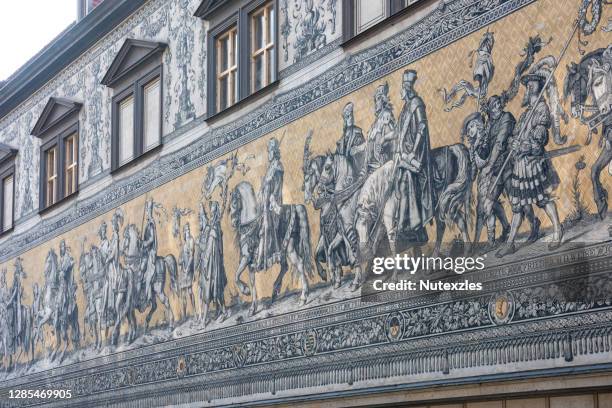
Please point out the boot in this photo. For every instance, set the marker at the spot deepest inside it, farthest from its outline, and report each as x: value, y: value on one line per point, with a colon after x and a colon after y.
x: 508, y: 249
x: 535, y: 231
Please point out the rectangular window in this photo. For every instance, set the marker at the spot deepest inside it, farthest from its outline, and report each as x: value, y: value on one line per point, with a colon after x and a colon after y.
x: 263, y: 53
x: 71, y: 164
x: 7, y: 203
x: 51, y: 176
x: 368, y: 13
x: 126, y: 130
x: 227, y: 68
x: 152, y: 114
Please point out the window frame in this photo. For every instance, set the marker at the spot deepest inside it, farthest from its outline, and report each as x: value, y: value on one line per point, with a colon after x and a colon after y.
x: 241, y: 19
x: 135, y: 89
x: 58, y: 141
x: 7, y: 169
x: 395, y: 8
x: 247, y: 13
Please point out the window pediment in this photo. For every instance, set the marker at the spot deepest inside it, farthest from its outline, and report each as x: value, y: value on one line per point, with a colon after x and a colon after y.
x: 55, y: 111
x: 133, y: 54
x: 207, y: 7
x: 7, y: 152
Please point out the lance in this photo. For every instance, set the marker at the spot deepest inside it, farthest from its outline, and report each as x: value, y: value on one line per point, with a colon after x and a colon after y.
x: 531, y: 112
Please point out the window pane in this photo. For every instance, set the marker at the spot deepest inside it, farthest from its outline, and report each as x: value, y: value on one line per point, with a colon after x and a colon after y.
x: 224, y: 53
x: 70, y: 171
x: 152, y: 114
x: 7, y: 214
x: 126, y: 130
x: 51, y: 178
x: 272, y: 65
x: 259, y: 40
x: 234, y: 87
x: 271, y: 27
x: 223, y: 87
x: 368, y: 13
x: 258, y: 72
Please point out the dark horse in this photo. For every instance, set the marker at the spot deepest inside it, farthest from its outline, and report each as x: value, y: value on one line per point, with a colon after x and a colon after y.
x: 584, y: 80
x: 330, y: 174
x: 293, y: 232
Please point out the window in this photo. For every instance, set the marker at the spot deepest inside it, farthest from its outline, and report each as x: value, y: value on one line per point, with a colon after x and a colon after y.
x: 60, y: 167
x: 58, y: 129
x: 7, y: 190
x: 361, y: 15
x: 243, y: 54
x: 263, y: 57
x: 227, y: 68
x: 136, y: 73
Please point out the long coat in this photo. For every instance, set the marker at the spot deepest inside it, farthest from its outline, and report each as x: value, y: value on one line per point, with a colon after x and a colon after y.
x: 413, y: 120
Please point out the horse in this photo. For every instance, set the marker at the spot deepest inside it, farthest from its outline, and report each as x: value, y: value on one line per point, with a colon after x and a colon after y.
x: 94, y: 286
x: 294, y: 233
x: 451, y: 184
x: 131, y: 282
x: 325, y: 178
x: 586, y: 80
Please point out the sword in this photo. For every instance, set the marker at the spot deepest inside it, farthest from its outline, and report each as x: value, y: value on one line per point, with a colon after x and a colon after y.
x: 562, y: 151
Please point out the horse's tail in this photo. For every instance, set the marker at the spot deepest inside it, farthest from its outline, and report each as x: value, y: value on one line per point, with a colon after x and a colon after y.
x: 304, y: 243
x: 457, y: 193
x: 172, y: 268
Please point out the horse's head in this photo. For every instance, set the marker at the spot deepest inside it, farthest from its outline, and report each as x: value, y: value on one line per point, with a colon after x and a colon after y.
x: 312, y: 173
x: 243, y: 204
x: 51, y: 266
x: 575, y: 87
x: 328, y: 171
x: 131, y: 241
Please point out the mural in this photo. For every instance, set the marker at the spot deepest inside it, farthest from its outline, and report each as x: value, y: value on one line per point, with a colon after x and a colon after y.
x: 306, y: 26
x: 400, y: 164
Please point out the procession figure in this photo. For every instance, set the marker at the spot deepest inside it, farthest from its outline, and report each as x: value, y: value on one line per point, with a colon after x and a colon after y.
x: 105, y: 250
x: 66, y: 311
x: 6, y: 334
x: 379, y: 147
x: 186, y: 264
x: 271, y: 201
x: 149, y: 249
x: 533, y: 178
x: 352, y: 143
x: 215, y: 278
x: 201, y: 260
x: 14, y: 305
x: 413, y: 179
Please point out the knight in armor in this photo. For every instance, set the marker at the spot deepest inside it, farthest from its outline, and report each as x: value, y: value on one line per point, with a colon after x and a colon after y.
x: 413, y: 179
x: 149, y: 248
x: 186, y: 264
x: 379, y: 147
x: 533, y: 178
x: 352, y: 143
x: 271, y: 201
x: 117, y: 283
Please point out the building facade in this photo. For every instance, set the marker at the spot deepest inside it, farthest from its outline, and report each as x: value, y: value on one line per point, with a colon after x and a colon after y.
x: 195, y: 193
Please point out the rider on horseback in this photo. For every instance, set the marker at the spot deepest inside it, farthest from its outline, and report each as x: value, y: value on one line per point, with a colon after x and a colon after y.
x: 149, y: 248
x: 271, y: 201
